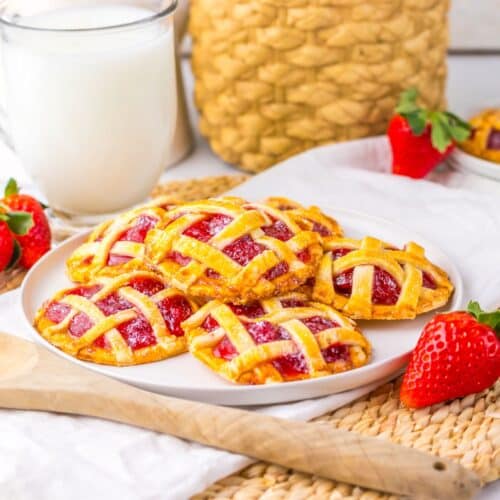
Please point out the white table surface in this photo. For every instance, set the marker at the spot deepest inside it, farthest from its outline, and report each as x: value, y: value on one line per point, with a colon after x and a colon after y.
x: 474, y: 83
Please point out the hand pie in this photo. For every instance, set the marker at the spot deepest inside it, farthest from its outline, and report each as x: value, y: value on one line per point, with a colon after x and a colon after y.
x: 370, y: 279
x: 232, y: 250
x: 311, y: 218
x: 275, y: 340
x: 130, y: 319
x: 115, y: 246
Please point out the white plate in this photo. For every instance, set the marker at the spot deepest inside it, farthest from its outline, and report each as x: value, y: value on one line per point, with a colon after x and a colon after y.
x: 465, y: 162
x: 185, y: 377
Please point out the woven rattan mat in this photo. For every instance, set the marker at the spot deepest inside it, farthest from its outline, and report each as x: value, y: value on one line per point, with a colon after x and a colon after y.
x: 466, y: 430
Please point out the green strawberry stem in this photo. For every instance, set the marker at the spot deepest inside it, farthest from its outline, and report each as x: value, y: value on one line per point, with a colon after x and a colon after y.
x: 11, y: 187
x: 491, y: 319
x: 446, y: 128
x: 19, y: 223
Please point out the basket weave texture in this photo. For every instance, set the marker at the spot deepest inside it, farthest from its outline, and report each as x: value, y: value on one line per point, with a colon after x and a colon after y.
x: 276, y: 77
x: 466, y: 430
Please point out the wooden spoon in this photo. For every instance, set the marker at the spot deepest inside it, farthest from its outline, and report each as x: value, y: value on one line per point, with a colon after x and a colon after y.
x: 32, y: 378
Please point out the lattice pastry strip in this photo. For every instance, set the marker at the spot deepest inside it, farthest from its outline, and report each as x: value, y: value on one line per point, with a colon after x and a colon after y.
x: 310, y: 218
x: 369, y: 279
x: 275, y: 340
x: 116, y: 246
x: 229, y: 249
x: 130, y: 319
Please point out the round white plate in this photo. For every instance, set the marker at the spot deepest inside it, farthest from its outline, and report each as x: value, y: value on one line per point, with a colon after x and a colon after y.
x: 185, y: 377
x: 465, y: 162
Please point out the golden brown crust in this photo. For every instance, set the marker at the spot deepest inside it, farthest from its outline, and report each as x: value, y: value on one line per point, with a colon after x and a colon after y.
x: 310, y: 218
x: 91, y: 259
x: 483, y: 125
x: 231, y: 281
x: 407, y: 268
x: 117, y: 352
x: 253, y: 362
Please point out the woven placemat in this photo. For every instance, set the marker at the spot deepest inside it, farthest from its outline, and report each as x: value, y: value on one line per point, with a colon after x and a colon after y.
x: 466, y: 430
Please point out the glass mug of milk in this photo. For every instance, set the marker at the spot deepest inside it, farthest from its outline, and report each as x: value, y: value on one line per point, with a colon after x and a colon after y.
x: 91, y: 100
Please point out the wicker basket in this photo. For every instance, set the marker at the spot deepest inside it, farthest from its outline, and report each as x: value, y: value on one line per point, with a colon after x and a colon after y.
x: 276, y: 77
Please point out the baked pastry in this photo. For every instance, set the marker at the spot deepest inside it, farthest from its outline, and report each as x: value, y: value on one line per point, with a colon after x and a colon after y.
x: 232, y: 250
x: 310, y: 218
x: 115, y: 246
x: 275, y: 340
x: 484, y: 140
x: 369, y: 279
x: 126, y: 320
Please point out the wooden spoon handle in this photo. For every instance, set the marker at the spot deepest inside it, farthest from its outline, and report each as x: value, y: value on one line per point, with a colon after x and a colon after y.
x: 39, y: 380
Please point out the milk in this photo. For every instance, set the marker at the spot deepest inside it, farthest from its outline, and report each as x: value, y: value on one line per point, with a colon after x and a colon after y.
x: 92, y: 113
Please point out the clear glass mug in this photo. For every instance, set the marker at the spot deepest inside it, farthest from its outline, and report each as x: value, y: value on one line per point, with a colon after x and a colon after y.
x: 91, y: 100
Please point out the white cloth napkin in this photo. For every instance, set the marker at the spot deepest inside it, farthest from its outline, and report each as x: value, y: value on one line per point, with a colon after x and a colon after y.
x: 52, y: 457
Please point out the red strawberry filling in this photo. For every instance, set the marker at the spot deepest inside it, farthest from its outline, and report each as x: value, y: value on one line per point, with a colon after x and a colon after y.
x: 137, y: 233
x: 207, y: 228
x: 494, y: 139
x: 340, y: 252
x: 278, y: 230
x: 253, y: 310
x: 292, y: 303
x: 428, y: 281
x: 244, y: 249
x: 385, y: 289
x: 262, y: 332
x: 79, y: 324
x: 322, y: 230
x: 147, y: 286
x: 336, y: 352
x: 137, y: 332
x: 175, y: 310
x: 179, y: 258
x: 225, y: 350
x: 317, y: 323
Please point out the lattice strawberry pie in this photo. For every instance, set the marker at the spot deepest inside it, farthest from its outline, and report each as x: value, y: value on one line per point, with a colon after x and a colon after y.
x: 232, y: 250
x: 369, y: 279
x: 310, y: 218
x: 116, y: 246
x: 126, y: 320
x: 275, y: 340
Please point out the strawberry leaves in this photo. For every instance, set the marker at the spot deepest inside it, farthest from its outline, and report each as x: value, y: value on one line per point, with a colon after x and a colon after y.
x: 11, y: 187
x: 491, y: 319
x: 19, y: 223
x: 446, y: 128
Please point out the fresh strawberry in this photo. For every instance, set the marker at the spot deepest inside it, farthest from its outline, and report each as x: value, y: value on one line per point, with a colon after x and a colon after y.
x: 421, y: 139
x: 457, y: 354
x: 6, y: 245
x: 36, y: 242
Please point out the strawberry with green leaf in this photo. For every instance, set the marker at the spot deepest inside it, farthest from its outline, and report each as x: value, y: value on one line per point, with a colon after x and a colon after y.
x: 420, y: 138
x: 457, y: 354
x: 28, y: 223
x: 12, y: 224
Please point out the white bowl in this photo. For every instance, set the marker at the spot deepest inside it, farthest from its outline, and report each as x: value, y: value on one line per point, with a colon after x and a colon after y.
x: 465, y: 162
